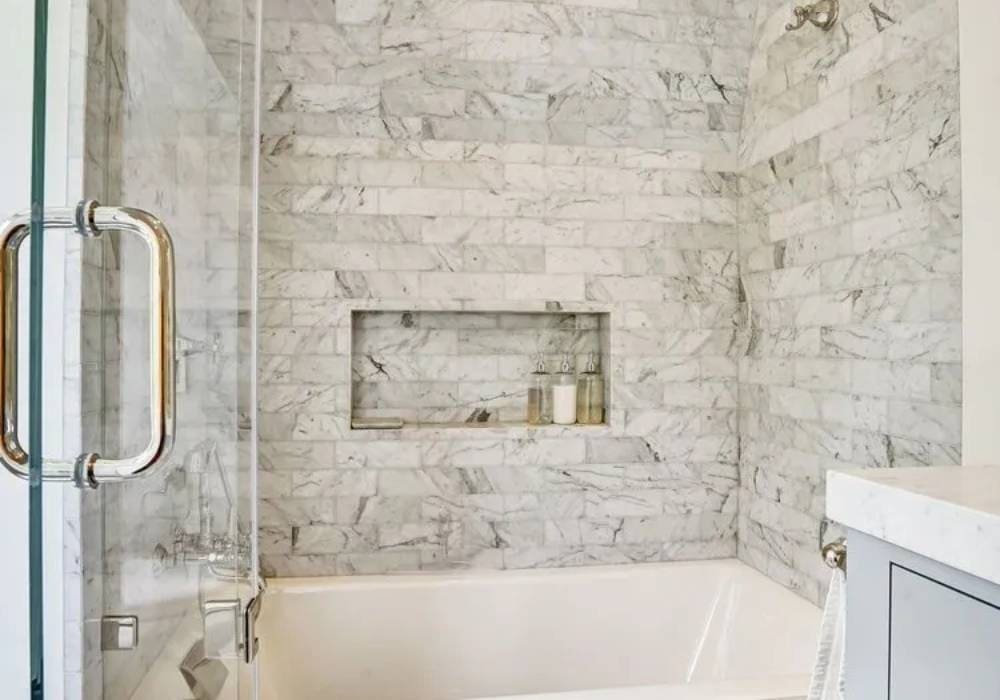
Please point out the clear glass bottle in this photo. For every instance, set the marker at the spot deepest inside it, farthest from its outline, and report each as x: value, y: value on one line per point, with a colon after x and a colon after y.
x: 590, y: 394
x: 540, y: 395
x: 564, y: 395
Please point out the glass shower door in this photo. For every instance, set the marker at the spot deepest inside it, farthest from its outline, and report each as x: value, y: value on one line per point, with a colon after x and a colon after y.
x: 177, y: 548
x: 126, y: 349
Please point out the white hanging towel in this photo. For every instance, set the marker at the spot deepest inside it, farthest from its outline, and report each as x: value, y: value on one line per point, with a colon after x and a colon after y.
x: 828, y: 674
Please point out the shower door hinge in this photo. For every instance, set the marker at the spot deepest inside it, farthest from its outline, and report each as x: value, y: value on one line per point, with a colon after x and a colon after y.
x: 251, y: 644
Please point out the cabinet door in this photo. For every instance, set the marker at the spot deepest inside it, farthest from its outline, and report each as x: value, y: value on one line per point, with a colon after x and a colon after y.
x: 943, y: 643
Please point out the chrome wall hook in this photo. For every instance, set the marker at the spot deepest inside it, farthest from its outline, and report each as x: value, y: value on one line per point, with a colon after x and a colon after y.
x: 835, y: 554
x: 823, y: 14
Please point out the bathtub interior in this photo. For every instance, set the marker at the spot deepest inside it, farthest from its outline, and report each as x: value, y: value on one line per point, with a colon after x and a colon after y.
x: 493, y: 634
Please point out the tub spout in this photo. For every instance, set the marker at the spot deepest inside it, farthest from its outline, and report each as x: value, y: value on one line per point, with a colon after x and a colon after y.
x: 204, y: 676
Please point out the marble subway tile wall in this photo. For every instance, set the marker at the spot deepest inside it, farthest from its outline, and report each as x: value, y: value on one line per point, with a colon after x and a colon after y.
x: 518, y: 156
x: 850, y: 253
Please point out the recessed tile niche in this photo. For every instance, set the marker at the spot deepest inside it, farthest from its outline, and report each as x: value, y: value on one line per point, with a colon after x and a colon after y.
x: 463, y: 368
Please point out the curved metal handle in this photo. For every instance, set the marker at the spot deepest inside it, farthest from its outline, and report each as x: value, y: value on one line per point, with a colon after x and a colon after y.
x: 91, y: 220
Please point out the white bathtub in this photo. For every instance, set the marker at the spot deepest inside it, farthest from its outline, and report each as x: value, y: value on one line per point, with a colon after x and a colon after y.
x: 681, y: 631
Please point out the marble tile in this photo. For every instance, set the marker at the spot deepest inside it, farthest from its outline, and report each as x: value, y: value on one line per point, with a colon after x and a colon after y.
x: 505, y: 154
x: 771, y: 221
x: 934, y: 512
x: 843, y: 242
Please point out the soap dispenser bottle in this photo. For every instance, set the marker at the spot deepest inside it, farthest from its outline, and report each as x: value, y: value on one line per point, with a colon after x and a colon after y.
x: 564, y: 394
x: 590, y: 394
x: 540, y: 395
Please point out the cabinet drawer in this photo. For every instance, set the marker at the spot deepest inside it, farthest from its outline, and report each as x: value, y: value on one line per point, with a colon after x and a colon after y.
x: 943, y: 642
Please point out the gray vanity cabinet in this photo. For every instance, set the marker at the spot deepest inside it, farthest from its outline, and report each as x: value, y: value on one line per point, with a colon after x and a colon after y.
x: 916, y: 629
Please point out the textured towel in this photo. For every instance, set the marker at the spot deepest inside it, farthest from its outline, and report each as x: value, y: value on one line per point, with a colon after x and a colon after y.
x: 828, y: 674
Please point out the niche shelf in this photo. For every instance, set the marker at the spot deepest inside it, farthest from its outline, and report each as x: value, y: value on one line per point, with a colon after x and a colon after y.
x: 463, y: 369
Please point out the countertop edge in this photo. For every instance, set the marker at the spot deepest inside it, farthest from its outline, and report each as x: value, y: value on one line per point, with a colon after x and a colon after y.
x: 955, y: 535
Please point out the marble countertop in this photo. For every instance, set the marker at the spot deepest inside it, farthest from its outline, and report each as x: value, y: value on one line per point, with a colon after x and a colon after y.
x: 949, y: 514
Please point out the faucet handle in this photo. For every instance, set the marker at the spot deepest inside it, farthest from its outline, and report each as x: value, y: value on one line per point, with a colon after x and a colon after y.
x: 822, y: 13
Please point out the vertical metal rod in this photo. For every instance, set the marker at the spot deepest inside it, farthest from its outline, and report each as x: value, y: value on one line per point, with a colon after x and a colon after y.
x: 255, y: 577
x: 35, y: 597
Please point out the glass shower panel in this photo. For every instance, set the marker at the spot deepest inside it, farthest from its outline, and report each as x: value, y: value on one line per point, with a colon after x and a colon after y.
x: 41, y: 151
x: 170, y: 128
x: 127, y: 344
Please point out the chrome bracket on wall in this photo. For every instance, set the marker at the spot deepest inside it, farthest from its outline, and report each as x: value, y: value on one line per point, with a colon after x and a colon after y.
x: 223, y: 629
x: 90, y: 220
x: 835, y: 554
x: 822, y: 14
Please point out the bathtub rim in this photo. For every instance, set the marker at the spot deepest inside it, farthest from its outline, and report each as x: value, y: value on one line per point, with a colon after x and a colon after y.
x: 314, y: 584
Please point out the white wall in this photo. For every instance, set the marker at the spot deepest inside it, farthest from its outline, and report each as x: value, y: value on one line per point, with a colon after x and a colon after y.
x: 15, y: 135
x: 16, y: 25
x: 979, y: 25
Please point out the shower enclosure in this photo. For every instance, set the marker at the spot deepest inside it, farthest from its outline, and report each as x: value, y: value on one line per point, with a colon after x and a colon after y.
x: 128, y: 317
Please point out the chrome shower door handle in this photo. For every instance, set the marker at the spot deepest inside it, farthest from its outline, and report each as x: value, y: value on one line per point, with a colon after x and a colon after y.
x: 90, y: 220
